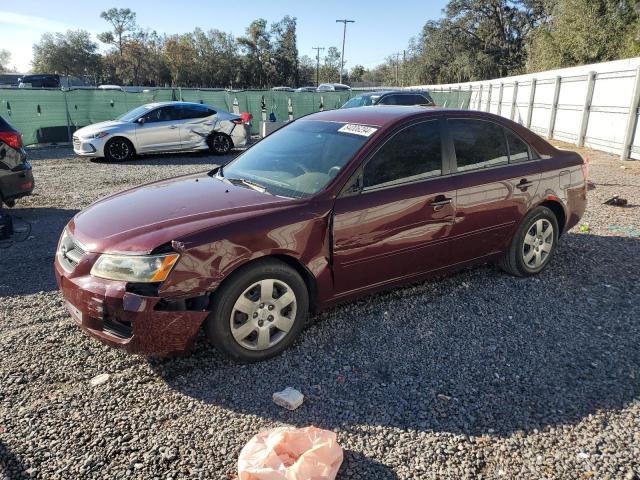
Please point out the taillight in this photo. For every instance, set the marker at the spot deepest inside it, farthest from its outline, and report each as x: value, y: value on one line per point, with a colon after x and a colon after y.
x: 13, y: 139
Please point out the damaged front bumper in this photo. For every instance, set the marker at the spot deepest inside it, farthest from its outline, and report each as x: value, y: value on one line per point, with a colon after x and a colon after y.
x: 107, y: 312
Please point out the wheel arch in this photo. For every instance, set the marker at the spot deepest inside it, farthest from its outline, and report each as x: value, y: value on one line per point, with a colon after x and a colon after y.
x: 558, y: 210
x: 293, y: 262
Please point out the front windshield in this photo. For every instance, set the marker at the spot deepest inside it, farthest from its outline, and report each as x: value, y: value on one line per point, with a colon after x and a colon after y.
x: 133, y: 114
x: 361, y: 101
x: 298, y: 160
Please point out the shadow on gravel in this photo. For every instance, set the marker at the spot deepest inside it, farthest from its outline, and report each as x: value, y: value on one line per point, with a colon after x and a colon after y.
x: 27, y: 267
x: 10, y: 466
x: 356, y: 465
x: 204, y: 158
x: 479, y: 352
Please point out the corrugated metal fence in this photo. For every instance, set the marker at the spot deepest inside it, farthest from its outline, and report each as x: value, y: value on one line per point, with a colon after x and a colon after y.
x: 591, y: 105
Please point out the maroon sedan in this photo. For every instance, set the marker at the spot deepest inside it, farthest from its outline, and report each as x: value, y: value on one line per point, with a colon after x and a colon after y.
x: 333, y: 206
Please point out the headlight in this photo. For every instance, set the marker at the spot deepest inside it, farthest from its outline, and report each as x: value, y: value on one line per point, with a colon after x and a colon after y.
x: 135, y: 268
x: 97, y: 135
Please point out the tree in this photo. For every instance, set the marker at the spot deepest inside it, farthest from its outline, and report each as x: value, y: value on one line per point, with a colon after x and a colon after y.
x: 72, y: 53
x: 179, y: 52
x: 330, y: 70
x: 123, y: 21
x: 256, y: 45
x: 285, y: 51
x: 584, y: 31
x: 5, y: 59
x: 357, y: 73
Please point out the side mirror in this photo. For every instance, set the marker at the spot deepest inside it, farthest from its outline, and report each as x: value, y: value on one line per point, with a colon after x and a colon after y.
x: 140, y: 121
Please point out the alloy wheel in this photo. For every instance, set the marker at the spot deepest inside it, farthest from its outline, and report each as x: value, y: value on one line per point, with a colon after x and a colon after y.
x: 221, y: 144
x: 119, y: 150
x: 538, y: 243
x: 263, y: 314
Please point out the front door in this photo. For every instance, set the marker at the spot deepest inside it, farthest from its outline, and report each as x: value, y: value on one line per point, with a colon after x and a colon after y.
x: 496, y: 181
x: 160, y: 130
x: 397, y: 226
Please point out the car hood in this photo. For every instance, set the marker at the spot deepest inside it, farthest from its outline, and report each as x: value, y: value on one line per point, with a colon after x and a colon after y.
x: 98, y: 127
x: 143, y: 218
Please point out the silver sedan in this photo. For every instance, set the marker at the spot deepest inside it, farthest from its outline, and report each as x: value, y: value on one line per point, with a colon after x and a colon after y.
x: 163, y: 127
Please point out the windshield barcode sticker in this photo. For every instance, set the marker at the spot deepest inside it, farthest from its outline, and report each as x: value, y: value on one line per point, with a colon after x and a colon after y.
x: 363, y: 130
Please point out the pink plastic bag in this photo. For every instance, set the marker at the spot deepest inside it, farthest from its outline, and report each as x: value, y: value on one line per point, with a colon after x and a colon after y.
x: 291, y: 454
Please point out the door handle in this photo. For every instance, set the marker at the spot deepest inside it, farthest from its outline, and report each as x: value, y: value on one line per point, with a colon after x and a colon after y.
x: 524, y: 184
x: 438, y: 204
x: 173, y: 127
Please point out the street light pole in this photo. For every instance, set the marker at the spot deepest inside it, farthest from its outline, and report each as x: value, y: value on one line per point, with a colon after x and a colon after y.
x: 344, y: 36
x: 317, y: 64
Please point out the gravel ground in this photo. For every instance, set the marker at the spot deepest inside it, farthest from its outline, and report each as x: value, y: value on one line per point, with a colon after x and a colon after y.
x: 477, y: 375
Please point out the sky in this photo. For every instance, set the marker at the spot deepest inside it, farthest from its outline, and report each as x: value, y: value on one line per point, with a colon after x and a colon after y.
x: 380, y: 30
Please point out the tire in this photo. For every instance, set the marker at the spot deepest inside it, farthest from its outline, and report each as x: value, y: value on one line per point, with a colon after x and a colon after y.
x: 118, y: 150
x: 533, y: 245
x: 220, y: 143
x: 249, y: 325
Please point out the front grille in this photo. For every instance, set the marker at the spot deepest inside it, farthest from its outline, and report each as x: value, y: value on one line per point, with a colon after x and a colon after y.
x: 70, y: 252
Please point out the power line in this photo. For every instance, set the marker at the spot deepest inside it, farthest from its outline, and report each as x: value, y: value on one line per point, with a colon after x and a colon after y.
x: 317, y: 64
x: 344, y: 36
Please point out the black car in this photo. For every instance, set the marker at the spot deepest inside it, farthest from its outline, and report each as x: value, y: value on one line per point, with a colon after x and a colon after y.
x: 16, y: 178
x: 40, y: 81
x: 392, y: 97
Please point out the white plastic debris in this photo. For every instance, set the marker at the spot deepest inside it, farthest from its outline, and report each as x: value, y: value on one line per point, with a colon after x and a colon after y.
x: 291, y: 454
x: 99, y: 379
x: 289, y: 398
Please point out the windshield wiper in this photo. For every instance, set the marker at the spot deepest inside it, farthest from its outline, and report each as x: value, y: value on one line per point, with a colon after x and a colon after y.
x: 248, y: 183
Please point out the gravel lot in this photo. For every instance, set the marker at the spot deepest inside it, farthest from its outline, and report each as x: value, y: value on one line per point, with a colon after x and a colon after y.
x: 477, y: 375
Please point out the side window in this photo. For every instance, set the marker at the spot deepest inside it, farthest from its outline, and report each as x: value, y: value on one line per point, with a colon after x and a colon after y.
x: 478, y: 143
x: 194, y: 111
x: 162, y: 114
x: 388, y: 100
x: 518, y: 150
x: 411, y: 154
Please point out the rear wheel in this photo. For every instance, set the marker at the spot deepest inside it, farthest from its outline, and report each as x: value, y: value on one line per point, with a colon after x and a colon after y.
x: 118, y: 150
x: 220, y: 144
x: 258, y: 311
x: 533, y: 244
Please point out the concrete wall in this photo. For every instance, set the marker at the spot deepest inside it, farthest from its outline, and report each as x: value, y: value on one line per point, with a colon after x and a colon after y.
x: 590, y: 105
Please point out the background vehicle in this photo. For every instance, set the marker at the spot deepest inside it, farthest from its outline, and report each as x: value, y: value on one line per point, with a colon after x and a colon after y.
x: 306, y: 89
x: 162, y: 127
x: 393, y: 97
x: 282, y: 89
x: 16, y: 178
x: 39, y: 81
x: 110, y: 87
x: 330, y: 207
x: 333, y: 87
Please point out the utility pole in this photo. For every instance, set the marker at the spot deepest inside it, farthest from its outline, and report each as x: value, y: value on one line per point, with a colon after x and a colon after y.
x: 317, y: 49
x: 344, y: 36
x: 404, y: 63
x: 397, y: 66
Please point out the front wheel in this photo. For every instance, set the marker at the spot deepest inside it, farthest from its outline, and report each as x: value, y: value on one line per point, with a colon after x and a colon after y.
x: 118, y: 150
x: 258, y: 311
x: 220, y: 144
x: 533, y: 244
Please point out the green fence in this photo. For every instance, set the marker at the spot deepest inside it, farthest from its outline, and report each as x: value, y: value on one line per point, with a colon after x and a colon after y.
x: 51, y: 116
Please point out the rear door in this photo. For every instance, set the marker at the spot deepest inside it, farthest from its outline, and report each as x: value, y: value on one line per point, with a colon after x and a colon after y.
x: 160, y: 131
x: 496, y: 181
x: 197, y: 122
x: 398, y: 225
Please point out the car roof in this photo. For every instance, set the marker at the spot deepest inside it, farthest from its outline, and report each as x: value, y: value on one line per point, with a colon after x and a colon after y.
x: 378, y: 115
x: 163, y: 104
